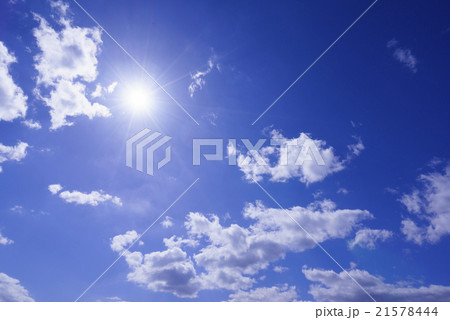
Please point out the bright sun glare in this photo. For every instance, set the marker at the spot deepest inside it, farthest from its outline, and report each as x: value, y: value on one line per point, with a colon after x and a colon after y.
x: 138, y: 98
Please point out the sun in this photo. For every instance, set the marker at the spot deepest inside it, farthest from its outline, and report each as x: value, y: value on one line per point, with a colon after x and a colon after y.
x: 138, y: 98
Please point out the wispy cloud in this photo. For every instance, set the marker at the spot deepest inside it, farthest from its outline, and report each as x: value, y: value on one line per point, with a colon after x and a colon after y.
x: 403, y: 55
x: 32, y: 124
x: 198, y: 78
x: 100, y: 91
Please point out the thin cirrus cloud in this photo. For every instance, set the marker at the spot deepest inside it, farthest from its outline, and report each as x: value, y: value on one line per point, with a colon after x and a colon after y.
x: 94, y: 198
x: 12, y: 291
x: 233, y: 255
x: 403, y: 55
x: 13, y: 102
x: 428, y: 205
x: 332, y: 286
x: 66, y: 63
x: 285, y: 166
x: 12, y: 153
x: 198, y: 78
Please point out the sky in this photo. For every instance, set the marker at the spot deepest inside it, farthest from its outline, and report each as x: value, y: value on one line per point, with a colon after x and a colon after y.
x: 80, y: 78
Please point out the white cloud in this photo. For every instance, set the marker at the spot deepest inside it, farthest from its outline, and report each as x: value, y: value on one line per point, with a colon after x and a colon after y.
x: 167, y: 271
x: 101, y: 91
x: 98, y: 91
x: 167, y: 222
x: 295, y: 158
x: 13, y: 102
x: 17, y: 209
x: 93, y: 198
x: 233, y: 255
x: 332, y: 286
x: 5, y: 241
x: 32, y: 124
x: 67, y: 58
x: 430, y: 207
x: 403, y: 55
x: 342, y: 191
x: 122, y: 241
x: 68, y: 99
x: 280, y: 269
x: 198, y: 78
x: 412, y: 201
x: 281, y: 293
x: 55, y: 188
x: 60, y: 6
x: 367, y: 238
x: 175, y: 241
x: 406, y: 58
x: 14, y: 153
x: 12, y: 291
x: 111, y: 87
x: 211, y: 117
x: 356, y: 148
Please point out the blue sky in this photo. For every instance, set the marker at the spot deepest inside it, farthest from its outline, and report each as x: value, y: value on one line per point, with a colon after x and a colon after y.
x: 376, y: 105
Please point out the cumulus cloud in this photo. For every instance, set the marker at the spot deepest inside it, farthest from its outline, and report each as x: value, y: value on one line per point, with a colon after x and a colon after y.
x: 12, y: 153
x: 282, y: 293
x: 331, y: 286
x: 367, y: 238
x: 55, y: 188
x: 67, y: 59
x: 94, y: 198
x: 429, y: 206
x: 122, y: 241
x: 233, y: 255
x: 68, y: 99
x: 5, y: 241
x: 13, y: 102
x: 12, y: 291
x: 403, y: 55
x: 198, y: 77
x: 309, y: 160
